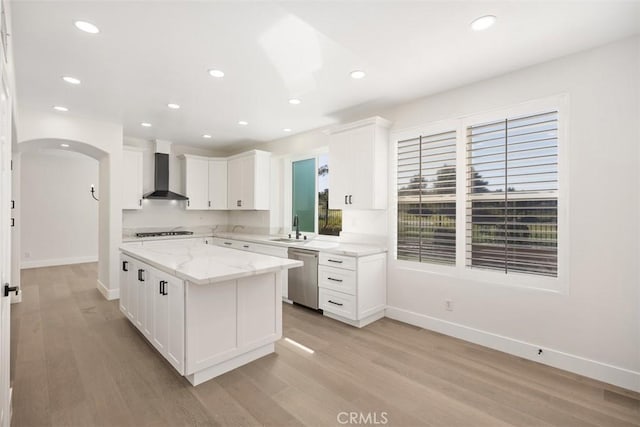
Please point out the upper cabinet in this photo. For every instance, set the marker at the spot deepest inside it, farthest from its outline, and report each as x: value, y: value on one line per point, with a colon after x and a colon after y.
x: 249, y: 175
x: 358, y: 162
x: 205, y: 182
x: 131, y: 178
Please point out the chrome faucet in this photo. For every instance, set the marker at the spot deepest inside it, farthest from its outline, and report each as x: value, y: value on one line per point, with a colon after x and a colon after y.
x: 297, y: 226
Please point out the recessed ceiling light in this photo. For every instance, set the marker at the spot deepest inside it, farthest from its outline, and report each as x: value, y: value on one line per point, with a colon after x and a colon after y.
x: 357, y: 74
x: 216, y: 73
x: 294, y: 101
x: 64, y: 145
x: 71, y: 80
x: 483, y: 22
x: 206, y: 136
x: 145, y: 124
x: 60, y: 108
x: 173, y: 106
x: 286, y: 130
x: 242, y: 123
x: 87, y: 27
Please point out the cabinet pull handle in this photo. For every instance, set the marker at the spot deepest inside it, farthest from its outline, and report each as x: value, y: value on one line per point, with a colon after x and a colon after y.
x: 239, y: 203
x: 228, y: 243
x: 13, y: 222
x: 337, y: 261
x: 8, y: 289
x: 334, y: 280
x: 345, y: 199
x: 160, y: 287
x: 209, y: 203
x: 245, y: 246
x: 140, y: 275
x: 350, y: 199
x: 140, y: 202
x: 188, y: 203
x: 124, y: 265
x: 13, y: 204
x: 164, y: 288
x: 336, y: 303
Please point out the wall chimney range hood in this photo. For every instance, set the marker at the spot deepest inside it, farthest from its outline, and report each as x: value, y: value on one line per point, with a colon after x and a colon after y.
x: 161, y: 180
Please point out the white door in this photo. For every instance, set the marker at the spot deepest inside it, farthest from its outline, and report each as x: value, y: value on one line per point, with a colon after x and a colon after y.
x: 174, y: 294
x: 341, y: 162
x: 158, y: 285
x: 235, y: 183
x: 5, y: 253
x: 197, y: 183
x: 131, y: 179
x: 218, y: 184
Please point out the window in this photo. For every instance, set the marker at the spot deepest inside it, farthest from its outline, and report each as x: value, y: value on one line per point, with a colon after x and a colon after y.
x: 427, y: 199
x: 312, y: 215
x: 482, y: 193
x: 512, y: 201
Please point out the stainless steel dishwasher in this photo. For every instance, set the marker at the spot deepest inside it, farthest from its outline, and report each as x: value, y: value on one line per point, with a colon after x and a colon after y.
x: 303, y: 282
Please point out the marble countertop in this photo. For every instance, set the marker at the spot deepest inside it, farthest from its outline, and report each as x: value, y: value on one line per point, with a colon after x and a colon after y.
x: 319, y: 244
x: 195, y: 235
x: 206, y: 264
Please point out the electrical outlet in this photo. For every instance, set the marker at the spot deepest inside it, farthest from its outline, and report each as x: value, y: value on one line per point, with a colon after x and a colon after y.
x: 448, y: 305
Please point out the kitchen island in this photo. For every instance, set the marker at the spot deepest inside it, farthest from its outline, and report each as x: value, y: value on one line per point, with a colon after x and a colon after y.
x: 206, y: 309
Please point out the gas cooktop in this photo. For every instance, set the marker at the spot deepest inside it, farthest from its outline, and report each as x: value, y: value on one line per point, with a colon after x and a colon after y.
x: 164, y: 233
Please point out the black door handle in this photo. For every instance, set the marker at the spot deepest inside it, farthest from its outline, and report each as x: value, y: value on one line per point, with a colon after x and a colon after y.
x: 140, y: 277
x: 336, y: 303
x: 8, y: 289
x: 124, y: 265
x: 345, y: 199
x: 164, y: 288
x: 161, y: 287
x: 350, y: 199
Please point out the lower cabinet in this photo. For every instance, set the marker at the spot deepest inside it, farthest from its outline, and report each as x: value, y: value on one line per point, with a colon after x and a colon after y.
x: 154, y: 302
x: 352, y: 289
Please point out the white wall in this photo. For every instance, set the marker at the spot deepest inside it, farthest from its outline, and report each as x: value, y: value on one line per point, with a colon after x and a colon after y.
x: 165, y: 213
x: 595, y: 328
x: 59, y: 217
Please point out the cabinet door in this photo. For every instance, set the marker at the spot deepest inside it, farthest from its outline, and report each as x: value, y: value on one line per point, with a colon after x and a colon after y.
x: 159, y: 319
x: 248, y: 182
x: 341, y: 161
x: 196, y: 177
x: 131, y: 179
x: 217, y: 184
x: 235, y: 183
x: 125, y: 273
x: 174, y: 297
x: 361, y: 177
x: 137, y: 296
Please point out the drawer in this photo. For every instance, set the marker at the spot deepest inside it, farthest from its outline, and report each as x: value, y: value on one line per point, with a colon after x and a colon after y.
x: 225, y: 243
x: 258, y: 248
x: 337, y: 303
x: 337, y: 279
x: 339, y: 261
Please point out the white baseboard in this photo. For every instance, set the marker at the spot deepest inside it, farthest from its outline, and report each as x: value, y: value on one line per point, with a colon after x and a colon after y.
x: 615, y: 375
x: 109, y: 294
x: 57, y: 261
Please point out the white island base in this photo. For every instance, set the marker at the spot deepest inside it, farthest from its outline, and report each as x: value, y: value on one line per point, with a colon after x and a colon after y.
x: 206, y: 309
x: 230, y: 324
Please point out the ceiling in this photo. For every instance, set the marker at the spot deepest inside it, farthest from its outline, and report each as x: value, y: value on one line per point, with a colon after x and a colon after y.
x: 149, y: 54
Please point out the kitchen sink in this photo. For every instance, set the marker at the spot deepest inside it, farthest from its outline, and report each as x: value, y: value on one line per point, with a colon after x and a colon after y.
x: 287, y: 240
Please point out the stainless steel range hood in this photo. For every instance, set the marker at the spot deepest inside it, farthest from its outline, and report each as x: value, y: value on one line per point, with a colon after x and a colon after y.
x: 161, y: 191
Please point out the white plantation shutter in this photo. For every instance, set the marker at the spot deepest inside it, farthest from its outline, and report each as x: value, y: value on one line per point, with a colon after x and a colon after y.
x: 512, y: 195
x: 427, y: 198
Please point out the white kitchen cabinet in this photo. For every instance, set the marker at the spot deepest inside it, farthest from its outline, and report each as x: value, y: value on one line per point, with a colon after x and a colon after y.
x: 131, y: 178
x: 352, y: 289
x: 205, y: 182
x: 358, y: 165
x: 249, y: 175
x: 167, y: 329
x: 154, y: 302
x: 217, y: 184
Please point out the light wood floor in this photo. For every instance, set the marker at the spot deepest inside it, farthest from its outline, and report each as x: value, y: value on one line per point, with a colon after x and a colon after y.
x: 77, y: 361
